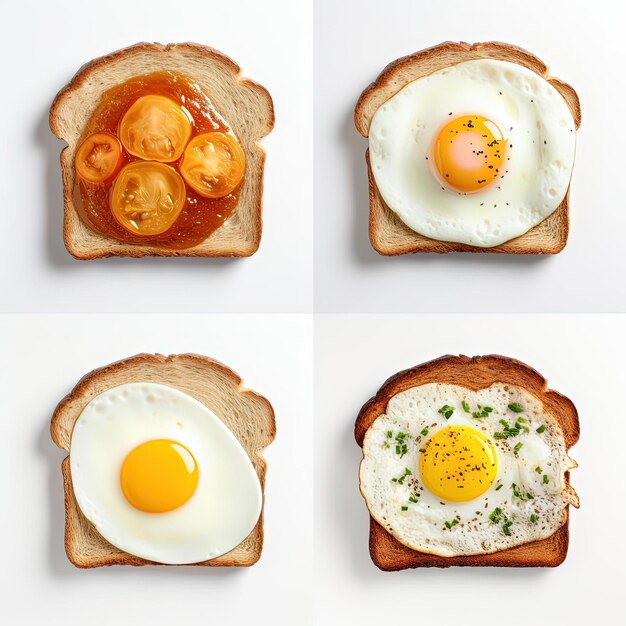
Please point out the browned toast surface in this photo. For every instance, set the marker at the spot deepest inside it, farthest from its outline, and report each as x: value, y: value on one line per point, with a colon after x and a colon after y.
x: 473, y: 373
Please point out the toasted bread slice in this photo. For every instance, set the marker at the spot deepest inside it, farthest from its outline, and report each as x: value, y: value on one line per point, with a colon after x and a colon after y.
x: 389, y: 235
x: 473, y: 373
x: 248, y: 415
x: 246, y: 106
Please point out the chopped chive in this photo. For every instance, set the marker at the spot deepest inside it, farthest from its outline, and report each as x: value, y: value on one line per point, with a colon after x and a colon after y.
x: 541, y: 428
x: 389, y: 434
x: 465, y: 406
x: 449, y: 525
x: 424, y: 432
x: 405, y: 508
x: 546, y: 480
x: 518, y: 494
x: 533, y: 518
x: 538, y: 470
x: 515, y: 407
x: 400, y: 479
x: 499, y: 487
x: 412, y: 499
x: 386, y: 444
x: 517, y: 448
x: 446, y: 411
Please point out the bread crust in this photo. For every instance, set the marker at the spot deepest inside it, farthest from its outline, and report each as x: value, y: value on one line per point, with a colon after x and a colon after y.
x: 474, y: 373
x: 245, y: 104
x: 389, y: 235
x: 208, y: 381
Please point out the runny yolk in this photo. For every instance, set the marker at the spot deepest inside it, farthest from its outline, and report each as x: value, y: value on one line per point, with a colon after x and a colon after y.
x: 468, y: 153
x: 458, y: 464
x: 158, y: 476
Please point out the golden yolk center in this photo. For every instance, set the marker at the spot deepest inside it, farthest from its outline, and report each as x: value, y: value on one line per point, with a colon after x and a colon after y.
x: 159, y: 476
x: 468, y: 153
x: 458, y: 464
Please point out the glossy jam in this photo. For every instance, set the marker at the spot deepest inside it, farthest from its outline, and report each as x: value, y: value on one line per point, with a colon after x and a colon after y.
x: 200, y: 216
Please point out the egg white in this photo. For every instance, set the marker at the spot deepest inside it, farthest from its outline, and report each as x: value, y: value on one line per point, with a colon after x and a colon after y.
x: 422, y: 526
x: 225, y: 505
x: 540, y: 138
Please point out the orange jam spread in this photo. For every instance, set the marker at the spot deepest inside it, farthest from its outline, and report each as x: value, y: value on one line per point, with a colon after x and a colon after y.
x: 157, y: 164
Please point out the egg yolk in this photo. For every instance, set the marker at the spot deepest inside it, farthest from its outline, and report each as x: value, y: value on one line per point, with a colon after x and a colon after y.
x: 468, y: 153
x: 458, y: 464
x: 159, y: 476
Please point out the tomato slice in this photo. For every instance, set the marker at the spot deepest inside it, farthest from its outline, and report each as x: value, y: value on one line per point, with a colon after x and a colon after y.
x: 213, y: 164
x: 147, y: 197
x: 98, y: 158
x: 155, y: 128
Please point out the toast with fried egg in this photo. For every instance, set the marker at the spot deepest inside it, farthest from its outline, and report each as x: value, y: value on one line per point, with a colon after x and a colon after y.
x: 390, y: 235
x: 472, y: 374
x: 248, y: 416
x: 245, y: 104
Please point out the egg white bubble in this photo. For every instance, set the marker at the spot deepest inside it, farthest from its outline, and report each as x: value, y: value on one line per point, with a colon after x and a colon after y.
x: 540, y: 139
x: 422, y: 526
x: 227, y: 501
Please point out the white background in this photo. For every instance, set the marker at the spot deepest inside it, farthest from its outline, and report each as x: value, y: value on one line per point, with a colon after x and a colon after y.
x: 42, y: 358
x: 583, y: 358
x: 582, y: 43
x: 42, y: 45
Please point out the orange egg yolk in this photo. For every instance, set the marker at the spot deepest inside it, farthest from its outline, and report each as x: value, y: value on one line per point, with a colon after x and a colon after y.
x: 468, y: 153
x: 458, y: 464
x: 159, y: 476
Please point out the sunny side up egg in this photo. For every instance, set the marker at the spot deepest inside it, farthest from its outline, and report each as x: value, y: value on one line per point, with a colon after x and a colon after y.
x: 450, y: 471
x: 477, y: 153
x: 161, y: 477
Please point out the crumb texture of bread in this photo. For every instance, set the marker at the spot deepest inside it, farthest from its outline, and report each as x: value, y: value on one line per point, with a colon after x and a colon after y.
x: 389, y: 236
x: 474, y: 373
x: 248, y: 415
x: 246, y: 105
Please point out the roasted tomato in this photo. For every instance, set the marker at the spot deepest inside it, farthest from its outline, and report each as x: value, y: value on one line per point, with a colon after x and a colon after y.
x: 155, y: 128
x: 213, y: 164
x: 98, y: 158
x: 147, y: 197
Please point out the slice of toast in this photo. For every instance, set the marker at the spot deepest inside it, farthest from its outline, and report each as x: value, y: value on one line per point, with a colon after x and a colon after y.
x: 473, y: 373
x: 246, y: 105
x: 247, y: 415
x: 389, y: 235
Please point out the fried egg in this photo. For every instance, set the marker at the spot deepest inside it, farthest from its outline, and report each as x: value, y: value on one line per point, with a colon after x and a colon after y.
x: 477, y: 153
x: 450, y: 471
x: 160, y: 476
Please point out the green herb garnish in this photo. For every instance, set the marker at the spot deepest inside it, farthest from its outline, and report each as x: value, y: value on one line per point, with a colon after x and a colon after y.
x: 400, y: 479
x: 450, y: 525
x: 546, y: 480
x: 538, y: 470
x: 446, y: 411
x: 483, y: 411
x: 389, y: 434
x: 401, y: 446
x: 465, y: 406
x: 512, y: 431
x: 533, y: 518
x: 517, y: 448
x: 412, y: 499
x: 499, y: 487
x: 405, y: 508
x: 541, y: 429
x: 516, y: 408
x: 518, y: 494
x: 424, y: 432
